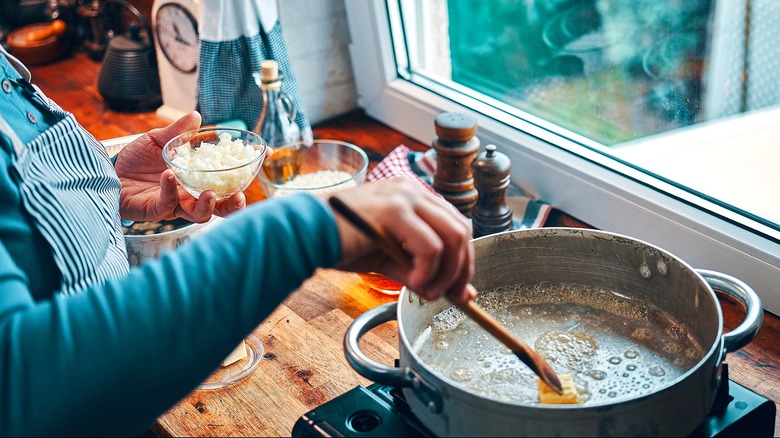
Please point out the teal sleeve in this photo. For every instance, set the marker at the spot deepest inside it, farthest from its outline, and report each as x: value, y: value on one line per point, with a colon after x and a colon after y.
x: 110, y: 360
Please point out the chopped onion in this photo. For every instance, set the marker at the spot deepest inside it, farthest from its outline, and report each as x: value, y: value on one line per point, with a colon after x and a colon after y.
x: 226, y: 154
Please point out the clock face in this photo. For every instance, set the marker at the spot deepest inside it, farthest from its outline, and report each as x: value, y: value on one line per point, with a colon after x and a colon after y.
x: 177, y: 35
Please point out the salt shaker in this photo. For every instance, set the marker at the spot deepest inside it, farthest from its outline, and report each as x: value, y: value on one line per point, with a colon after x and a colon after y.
x: 456, y: 147
x: 491, y: 214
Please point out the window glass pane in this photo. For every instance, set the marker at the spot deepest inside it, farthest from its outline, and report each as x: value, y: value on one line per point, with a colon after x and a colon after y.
x: 685, y: 90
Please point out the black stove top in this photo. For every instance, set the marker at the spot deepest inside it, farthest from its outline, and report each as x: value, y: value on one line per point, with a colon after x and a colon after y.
x: 380, y: 410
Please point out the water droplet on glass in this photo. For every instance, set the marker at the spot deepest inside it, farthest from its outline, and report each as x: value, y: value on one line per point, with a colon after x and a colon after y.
x: 614, y: 360
x: 631, y: 354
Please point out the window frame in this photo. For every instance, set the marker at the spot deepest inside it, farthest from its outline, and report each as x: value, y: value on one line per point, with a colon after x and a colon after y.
x: 630, y: 202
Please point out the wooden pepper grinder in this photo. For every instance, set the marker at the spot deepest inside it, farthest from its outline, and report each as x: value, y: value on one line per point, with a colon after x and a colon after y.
x: 456, y: 147
x: 491, y: 172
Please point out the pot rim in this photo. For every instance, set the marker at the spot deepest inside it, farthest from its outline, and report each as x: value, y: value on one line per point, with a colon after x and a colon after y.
x: 177, y: 232
x: 715, y: 349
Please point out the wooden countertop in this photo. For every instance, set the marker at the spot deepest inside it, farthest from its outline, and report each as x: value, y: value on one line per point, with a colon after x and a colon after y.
x: 304, y: 364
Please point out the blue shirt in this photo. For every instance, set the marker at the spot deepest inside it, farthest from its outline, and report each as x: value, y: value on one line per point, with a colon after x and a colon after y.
x: 28, y: 116
x: 17, y: 231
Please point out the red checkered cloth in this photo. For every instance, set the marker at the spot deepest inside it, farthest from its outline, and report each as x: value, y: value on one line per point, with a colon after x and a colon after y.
x: 400, y: 162
x: 420, y: 166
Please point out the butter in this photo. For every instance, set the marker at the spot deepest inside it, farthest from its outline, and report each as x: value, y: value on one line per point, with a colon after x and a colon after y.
x: 237, y: 354
x: 547, y: 395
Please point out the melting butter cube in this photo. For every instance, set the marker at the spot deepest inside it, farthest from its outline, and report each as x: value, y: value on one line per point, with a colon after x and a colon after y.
x: 236, y: 355
x: 548, y: 395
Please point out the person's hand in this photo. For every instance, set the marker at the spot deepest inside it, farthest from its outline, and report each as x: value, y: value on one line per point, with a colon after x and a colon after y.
x: 434, y: 235
x: 149, y: 189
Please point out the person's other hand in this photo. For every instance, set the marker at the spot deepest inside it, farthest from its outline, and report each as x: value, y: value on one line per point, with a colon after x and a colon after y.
x: 432, y: 232
x: 149, y: 189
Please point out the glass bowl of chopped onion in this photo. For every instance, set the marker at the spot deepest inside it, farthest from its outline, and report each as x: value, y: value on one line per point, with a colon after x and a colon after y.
x: 225, y: 160
x: 317, y: 166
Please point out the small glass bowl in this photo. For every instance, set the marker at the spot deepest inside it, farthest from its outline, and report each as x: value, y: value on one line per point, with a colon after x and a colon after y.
x: 225, y: 181
x: 318, y: 166
x: 223, y: 377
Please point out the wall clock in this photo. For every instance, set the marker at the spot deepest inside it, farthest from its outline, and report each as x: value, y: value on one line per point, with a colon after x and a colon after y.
x: 177, y: 43
x: 177, y: 35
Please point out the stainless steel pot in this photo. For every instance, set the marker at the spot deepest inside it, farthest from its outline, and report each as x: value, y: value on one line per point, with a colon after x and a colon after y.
x: 150, y: 246
x: 601, y: 259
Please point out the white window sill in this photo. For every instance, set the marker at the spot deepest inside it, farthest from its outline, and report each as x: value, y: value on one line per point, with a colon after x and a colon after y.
x: 736, y: 160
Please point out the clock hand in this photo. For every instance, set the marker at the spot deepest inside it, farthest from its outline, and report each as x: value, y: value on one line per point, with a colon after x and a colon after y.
x: 167, y: 30
x: 184, y: 42
x: 177, y: 37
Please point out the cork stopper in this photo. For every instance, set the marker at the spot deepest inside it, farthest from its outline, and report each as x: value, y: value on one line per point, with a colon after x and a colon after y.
x: 270, y: 69
x: 270, y: 74
x: 455, y: 127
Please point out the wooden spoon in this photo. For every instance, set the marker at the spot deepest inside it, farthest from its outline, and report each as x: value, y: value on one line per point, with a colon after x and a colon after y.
x: 394, y: 250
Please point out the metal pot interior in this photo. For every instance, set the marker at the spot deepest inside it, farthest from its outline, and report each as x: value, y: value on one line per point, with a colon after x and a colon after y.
x: 163, y: 236
x: 638, y: 271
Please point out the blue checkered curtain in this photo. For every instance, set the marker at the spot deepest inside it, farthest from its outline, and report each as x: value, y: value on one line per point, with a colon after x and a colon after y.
x: 235, y: 36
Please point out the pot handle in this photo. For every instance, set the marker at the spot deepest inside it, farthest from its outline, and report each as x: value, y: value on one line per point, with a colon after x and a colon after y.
x: 366, y: 367
x: 754, y: 317
x: 386, y: 375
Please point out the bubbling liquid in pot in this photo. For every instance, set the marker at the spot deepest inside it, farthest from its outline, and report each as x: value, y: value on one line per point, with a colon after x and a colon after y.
x: 616, y: 348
